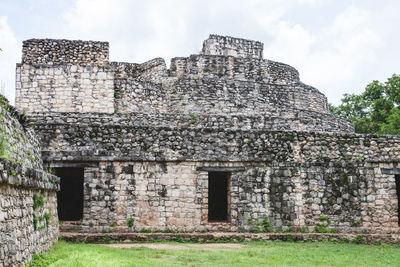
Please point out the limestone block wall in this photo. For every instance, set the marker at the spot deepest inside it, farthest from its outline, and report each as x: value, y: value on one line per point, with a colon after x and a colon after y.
x: 161, y: 196
x: 132, y: 196
x: 64, y: 88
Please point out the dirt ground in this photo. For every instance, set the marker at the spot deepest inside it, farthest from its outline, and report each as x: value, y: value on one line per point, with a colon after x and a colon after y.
x: 218, y: 246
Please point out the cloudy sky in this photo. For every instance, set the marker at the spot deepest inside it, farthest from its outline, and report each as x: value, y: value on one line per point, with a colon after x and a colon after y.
x: 338, y: 46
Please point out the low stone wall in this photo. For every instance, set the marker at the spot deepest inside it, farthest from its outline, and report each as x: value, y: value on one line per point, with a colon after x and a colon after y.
x: 28, y: 212
x: 231, y: 237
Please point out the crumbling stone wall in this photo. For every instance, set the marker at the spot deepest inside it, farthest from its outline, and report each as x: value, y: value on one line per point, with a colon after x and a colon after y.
x: 55, y: 52
x: 230, y: 46
x: 28, y: 204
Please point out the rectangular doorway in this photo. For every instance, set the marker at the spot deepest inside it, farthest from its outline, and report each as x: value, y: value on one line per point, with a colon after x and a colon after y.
x: 70, y: 196
x: 397, y: 179
x: 218, y: 196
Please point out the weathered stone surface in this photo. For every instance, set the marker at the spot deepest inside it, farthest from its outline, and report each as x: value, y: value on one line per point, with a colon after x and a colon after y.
x: 26, y: 227
x: 231, y: 237
x: 147, y: 136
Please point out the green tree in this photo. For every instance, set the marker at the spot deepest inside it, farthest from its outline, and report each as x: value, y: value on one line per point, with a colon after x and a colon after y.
x: 376, y: 110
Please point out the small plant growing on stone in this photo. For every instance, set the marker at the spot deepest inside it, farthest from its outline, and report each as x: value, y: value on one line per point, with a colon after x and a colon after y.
x: 266, y: 223
x: 304, y: 230
x: 180, y: 96
x: 343, y: 178
x: 145, y: 230
x: 358, y: 159
x: 113, y: 224
x: 47, y: 218
x: 359, y: 239
x: 254, y: 229
x: 12, y: 172
x: 35, y: 222
x: 51, y: 171
x: 323, y: 218
x: 192, y: 118
x: 38, y: 201
x: 322, y: 227
x: 130, y: 222
x: 91, y: 224
x: 183, y: 104
x: 357, y: 223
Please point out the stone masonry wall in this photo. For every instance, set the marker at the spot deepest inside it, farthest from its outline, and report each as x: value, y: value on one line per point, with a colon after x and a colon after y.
x: 54, y: 52
x: 28, y: 204
x: 17, y: 143
x: 94, y: 138
x: 132, y: 196
x: 149, y: 174
x: 28, y: 212
x: 217, y: 85
x: 64, y: 88
x: 230, y: 46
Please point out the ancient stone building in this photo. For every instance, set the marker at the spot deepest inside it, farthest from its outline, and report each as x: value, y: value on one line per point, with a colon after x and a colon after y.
x: 218, y: 141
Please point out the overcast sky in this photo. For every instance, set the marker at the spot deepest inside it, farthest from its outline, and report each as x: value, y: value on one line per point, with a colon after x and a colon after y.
x: 338, y: 46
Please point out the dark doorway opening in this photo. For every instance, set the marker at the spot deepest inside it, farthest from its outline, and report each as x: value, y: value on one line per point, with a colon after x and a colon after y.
x: 218, y: 196
x: 70, y: 197
x: 397, y: 179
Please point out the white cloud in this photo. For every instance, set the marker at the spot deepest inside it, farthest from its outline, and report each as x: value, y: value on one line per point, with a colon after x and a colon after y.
x: 141, y: 30
x: 347, y: 49
x: 8, y: 57
x: 333, y: 58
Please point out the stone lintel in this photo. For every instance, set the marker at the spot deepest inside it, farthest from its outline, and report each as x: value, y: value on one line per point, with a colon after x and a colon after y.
x: 393, y: 171
x: 220, y: 169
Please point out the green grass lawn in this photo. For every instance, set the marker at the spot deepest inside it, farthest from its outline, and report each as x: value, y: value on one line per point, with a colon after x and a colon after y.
x: 255, y: 253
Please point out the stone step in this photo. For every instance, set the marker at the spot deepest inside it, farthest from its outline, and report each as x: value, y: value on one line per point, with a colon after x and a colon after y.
x: 70, y: 226
x: 228, y: 237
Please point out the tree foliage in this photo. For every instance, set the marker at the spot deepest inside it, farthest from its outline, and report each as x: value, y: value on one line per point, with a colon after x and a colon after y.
x: 376, y: 110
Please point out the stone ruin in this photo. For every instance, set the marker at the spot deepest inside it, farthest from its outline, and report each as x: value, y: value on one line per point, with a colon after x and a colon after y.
x: 219, y: 141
